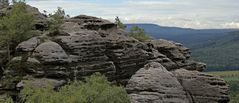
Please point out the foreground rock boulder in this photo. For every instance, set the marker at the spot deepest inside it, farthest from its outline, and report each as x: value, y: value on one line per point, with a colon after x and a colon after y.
x: 151, y: 71
x: 155, y: 84
x: 202, y: 87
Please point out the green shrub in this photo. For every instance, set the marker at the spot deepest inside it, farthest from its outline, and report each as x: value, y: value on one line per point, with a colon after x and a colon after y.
x: 234, y: 91
x: 96, y: 89
x: 234, y: 98
x: 7, y: 100
x: 119, y: 23
x: 139, y: 34
x: 57, y: 19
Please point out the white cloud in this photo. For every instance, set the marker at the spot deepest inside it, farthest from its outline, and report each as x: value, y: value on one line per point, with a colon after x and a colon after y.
x: 181, y: 13
x: 231, y: 25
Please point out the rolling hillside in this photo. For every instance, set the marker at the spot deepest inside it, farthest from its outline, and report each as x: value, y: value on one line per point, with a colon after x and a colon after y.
x: 218, y: 48
x: 187, y: 36
x: 219, y: 53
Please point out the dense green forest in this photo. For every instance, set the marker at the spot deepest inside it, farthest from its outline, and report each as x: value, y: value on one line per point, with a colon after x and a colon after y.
x: 219, y: 53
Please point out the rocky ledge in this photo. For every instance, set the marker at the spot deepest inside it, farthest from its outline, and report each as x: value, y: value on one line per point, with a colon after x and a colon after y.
x: 157, y: 71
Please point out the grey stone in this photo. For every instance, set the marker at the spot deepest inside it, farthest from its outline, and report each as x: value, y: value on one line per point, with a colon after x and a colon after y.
x: 202, y: 87
x: 29, y: 45
x: 51, y: 52
x: 40, y: 82
x: 154, y: 84
x: 179, y: 54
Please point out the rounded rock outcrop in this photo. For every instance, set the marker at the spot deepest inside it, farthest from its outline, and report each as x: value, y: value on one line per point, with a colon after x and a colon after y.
x: 51, y: 52
x: 29, y: 45
x: 154, y: 84
x: 203, y: 88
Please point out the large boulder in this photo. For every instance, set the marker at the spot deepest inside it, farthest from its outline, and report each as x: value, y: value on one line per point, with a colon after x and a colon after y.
x: 202, y: 87
x: 154, y: 84
x: 51, y: 52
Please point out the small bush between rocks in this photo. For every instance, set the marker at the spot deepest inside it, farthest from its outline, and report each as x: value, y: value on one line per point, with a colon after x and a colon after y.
x: 139, y: 34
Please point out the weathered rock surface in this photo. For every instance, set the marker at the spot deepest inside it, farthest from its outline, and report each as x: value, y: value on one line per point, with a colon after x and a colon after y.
x: 92, y: 23
x: 51, y: 52
x: 154, y: 84
x: 29, y: 45
x: 202, y: 87
x: 87, y: 44
x: 179, y: 54
x: 42, y: 82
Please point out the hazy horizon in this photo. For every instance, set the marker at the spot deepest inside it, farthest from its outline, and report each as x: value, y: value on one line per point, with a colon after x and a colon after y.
x: 204, y: 14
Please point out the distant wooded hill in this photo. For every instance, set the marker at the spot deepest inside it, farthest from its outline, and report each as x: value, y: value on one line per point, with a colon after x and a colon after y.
x: 218, y: 48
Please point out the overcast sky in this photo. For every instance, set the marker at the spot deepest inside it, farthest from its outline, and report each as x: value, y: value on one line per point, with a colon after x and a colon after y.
x: 181, y: 13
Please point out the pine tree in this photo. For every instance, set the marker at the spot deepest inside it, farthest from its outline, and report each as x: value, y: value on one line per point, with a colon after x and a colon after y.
x: 16, y: 26
x: 119, y: 23
x: 57, y: 19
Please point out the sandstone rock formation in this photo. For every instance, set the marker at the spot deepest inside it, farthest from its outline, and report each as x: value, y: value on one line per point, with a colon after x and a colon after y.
x: 202, y: 87
x: 151, y: 70
x: 155, y: 84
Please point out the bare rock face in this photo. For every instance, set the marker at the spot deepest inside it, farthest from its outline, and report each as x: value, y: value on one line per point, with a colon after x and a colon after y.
x: 202, y: 87
x: 179, y: 54
x: 42, y: 82
x: 154, y: 84
x: 51, y: 52
x: 92, y: 23
x: 41, y: 20
x: 29, y: 45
